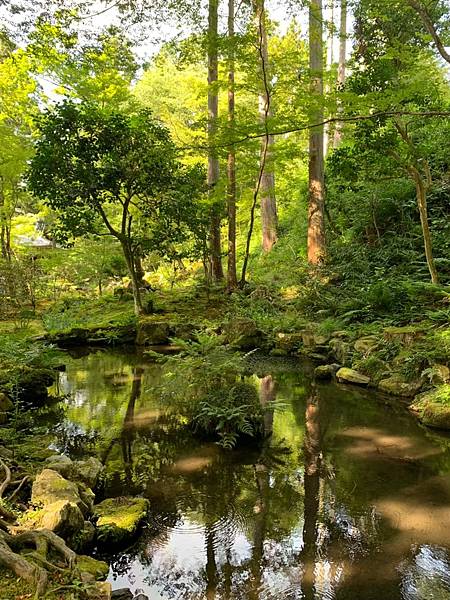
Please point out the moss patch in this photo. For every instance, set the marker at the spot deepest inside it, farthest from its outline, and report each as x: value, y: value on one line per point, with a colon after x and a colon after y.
x: 433, y: 407
x: 119, y: 518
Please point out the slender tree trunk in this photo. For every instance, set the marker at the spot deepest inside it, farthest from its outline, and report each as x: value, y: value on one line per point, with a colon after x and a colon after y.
x: 231, y: 164
x: 316, y: 208
x: 213, y: 160
x: 269, y: 218
x: 329, y: 128
x: 135, y: 283
x: 421, y: 195
x: 342, y: 66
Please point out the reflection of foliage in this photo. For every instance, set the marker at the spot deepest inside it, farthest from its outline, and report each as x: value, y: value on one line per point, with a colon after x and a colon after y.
x: 205, y: 381
x: 230, y: 412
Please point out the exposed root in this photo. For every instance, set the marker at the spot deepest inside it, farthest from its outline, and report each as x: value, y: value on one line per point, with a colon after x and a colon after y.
x: 21, y: 482
x: 43, y: 541
x: 7, y: 479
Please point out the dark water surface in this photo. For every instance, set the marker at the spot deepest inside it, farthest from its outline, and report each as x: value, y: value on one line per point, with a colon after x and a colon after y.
x: 349, y: 500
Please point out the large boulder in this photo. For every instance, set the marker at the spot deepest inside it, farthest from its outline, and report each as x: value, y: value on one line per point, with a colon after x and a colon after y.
x: 397, y: 385
x: 288, y: 342
x: 85, y: 471
x: 243, y: 334
x: 118, y: 519
x: 439, y: 374
x: 62, y: 517
x: 345, y: 375
x: 49, y: 487
x: 433, y: 407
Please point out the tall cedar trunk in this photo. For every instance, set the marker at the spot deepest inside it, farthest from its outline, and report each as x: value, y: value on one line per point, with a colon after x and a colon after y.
x: 213, y: 160
x: 330, y: 61
x: 231, y: 164
x: 135, y: 283
x: 316, y: 209
x: 421, y: 195
x: 342, y: 66
x: 269, y: 219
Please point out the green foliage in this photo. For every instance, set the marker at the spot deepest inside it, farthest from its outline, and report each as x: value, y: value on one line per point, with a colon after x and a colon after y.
x: 205, y: 382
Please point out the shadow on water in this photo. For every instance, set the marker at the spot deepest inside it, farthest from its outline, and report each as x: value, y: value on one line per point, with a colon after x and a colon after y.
x: 348, y: 499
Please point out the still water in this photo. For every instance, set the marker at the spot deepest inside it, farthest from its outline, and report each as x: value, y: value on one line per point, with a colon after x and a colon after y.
x: 349, y: 499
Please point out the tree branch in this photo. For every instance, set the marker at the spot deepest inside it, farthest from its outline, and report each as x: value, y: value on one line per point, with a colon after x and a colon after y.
x: 430, y: 27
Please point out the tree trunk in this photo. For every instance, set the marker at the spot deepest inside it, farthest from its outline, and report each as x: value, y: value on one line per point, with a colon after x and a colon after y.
x: 342, y: 66
x: 329, y: 127
x: 135, y: 283
x: 269, y: 218
x: 231, y: 164
x: 213, y: 160
x: 421, y: 195
x: 316, y: 208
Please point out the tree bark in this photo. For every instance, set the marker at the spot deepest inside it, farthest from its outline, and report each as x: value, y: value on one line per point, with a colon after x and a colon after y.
x: 269, y: 218
x: 341, y: 67
x: 135, y: 283
x: 421, y: 195
x: 231, y: 163
x: 329, y: 128
x: 316, y: 204
x: 213, y: 160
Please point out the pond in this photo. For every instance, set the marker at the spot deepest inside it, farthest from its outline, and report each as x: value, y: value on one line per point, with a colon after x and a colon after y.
x: 348, y: 499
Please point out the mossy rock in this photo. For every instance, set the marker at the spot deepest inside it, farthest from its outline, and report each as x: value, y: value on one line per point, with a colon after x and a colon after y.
x: 287, y: 342
x: 33, y: 384
x: 397, y: 385
x: 433, y: 407
x: 244, y: 334
x: 366, y: 345
x: 152, y: 333
x: 345, y: 375
x: 340, y: 350
x: 5, y: 403
x: 404, y: 335
x: 118, y: 519
x: 49, y: 487
x: 97, y: 568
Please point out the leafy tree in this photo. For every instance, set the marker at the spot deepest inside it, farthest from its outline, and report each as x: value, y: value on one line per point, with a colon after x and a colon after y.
x: 115, y: 174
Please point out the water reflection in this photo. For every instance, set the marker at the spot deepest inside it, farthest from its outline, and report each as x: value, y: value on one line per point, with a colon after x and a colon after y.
x: 346, y: 499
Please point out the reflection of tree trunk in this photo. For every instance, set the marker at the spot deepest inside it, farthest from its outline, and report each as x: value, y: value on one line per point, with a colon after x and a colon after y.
x: 267, y: 395
x: 312, y: 454
x: 211, y: 566
x: 127, y: 430
x: 261, y: 511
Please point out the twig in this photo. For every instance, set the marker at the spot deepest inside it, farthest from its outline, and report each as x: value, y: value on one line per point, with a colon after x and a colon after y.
x: 7, y: 479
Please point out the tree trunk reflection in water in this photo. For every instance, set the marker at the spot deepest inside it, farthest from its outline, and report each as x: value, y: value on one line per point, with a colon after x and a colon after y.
x: 267, y: 395
x: 312, y: 463
x: 126, y: 437
x: 211, y: 565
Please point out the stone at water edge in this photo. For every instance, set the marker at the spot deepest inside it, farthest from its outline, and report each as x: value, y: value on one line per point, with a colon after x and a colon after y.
x: 122, y: 594
x: 398, y: 386
x: 345, y: 375
x: 118, y: 519
x: 97, y: 568
x: 101, y: 591
x: 139, y: 595
x: 323, y: 373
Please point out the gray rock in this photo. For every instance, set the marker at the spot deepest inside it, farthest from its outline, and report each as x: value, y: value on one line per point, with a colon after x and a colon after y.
x: 122, y: 594
x: 340, y: 350
x: 61, y: 464
x: 323, y: 372
x: 88, y: 471
x: 139, y: 595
